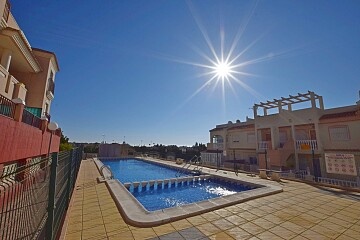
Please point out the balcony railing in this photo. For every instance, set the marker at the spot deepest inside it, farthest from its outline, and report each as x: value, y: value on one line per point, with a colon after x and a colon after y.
x: 7, y: 107
x: 306, y: 145
x: 264, y: 145
x: 31, y: 119
x: 6, y: 11
x: 51, y: 85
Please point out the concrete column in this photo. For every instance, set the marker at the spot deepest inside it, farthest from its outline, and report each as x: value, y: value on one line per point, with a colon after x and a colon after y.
x: 255, y: 111
x: 321, y: 102
x: 19, y: 109
x: 274, y: 137
x: 6, y: 59
x: 265, y: 111
x: 289, y: 107
x: 312, y: 98
x: 317, y: 132
x: 279, y: 106
x: 295, y: 149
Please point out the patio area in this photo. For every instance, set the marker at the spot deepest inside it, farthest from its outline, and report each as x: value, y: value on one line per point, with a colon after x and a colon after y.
x: 301, y: 211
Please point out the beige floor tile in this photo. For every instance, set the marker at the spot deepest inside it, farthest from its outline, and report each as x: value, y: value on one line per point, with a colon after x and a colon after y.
x: 95, y: 232
x: 234, y: 209
x: 274, y: 219
x: 116, y: 227
x: 164, y: 229
x: 208, y: 229
x: 221, y: 236
x: 248, y: 216
x: 223, y: 224
x: 223, y: 212
x: 283, y: 232
x: 355, y: 227
x: 210, y: 216
x: 293, y: 227
x: 314, y: 235
x: 268, y: 236
x: 197, y: 220
x: 302, y: 222
x: 330, y: 233
x: 73, y: 236
x: 333, y: 226
x: 238, y: 233
x: 74, y: 227
x: 258, y: 212
x: 264, y: 223
x: 143, y: 233
x: 252, y: 228
x: 181, y: 224
x: 299, y: 237
x: 267, y: 209
x: 352, y: 233
x: 236, y: 220
x: 341, y: 216
x: 124, y: 235
x: 345, y: 237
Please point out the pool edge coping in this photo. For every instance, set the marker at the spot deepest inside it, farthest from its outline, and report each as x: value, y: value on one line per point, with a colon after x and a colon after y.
x: 136, y: 215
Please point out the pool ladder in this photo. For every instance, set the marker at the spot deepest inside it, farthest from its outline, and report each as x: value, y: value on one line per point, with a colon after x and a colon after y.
x: 194, y: 160
x: 109, y: 169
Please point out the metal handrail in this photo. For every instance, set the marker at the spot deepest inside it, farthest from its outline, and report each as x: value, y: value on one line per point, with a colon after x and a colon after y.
x: 109, y: 169
x: 194, y: 159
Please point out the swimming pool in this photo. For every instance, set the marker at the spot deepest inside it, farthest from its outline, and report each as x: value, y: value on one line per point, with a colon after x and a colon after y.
x: 135, y: 214
x: 135, y: 170
x: 175, y: 192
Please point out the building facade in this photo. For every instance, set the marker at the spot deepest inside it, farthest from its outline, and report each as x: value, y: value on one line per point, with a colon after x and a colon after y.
x: 115, y: 150
x: 27, y: 78
x: 324, y: 142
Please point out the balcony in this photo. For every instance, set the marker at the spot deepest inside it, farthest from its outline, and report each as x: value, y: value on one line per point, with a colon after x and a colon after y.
x: 215, y: 146
x: 50, y: 89
x: 264, y: 145
x: 10, y: 87
x: 23, y: 134
x: 6, y: 12
x: 306, y: 145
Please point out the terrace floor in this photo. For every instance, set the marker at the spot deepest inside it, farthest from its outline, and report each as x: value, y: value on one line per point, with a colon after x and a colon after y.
x: 301, y: 211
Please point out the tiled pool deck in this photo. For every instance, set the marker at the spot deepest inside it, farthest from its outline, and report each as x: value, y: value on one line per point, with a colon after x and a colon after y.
x: 300, y: 212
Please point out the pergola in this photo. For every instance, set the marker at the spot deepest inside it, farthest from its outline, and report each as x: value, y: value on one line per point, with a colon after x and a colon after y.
x: 289, y: 101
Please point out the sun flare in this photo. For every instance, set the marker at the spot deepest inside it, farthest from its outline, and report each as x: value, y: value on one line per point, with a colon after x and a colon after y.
x: 222, y: 70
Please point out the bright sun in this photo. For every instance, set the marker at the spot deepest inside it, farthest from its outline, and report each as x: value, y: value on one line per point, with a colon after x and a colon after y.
x: 222, y: 70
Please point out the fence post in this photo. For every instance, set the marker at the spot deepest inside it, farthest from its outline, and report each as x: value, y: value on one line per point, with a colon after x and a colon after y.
x: 52, y: 195
x: 70, y: 177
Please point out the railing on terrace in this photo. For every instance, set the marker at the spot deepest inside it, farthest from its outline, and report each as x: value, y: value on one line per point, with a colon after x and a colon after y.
x: 31, y: 119
x: 7, y: 107
x: 306, y: 145
x: 339, y: 182
x: 304, y: 175
x: 34, y: 196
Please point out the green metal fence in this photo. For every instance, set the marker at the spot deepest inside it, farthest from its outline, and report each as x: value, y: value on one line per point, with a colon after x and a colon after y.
x: 35, y: 195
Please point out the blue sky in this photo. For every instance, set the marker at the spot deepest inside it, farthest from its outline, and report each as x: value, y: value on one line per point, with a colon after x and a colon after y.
x: 127, y: 72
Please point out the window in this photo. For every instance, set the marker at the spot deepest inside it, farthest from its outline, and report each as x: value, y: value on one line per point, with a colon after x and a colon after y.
x: 236, y: 138
x: 339, y: 133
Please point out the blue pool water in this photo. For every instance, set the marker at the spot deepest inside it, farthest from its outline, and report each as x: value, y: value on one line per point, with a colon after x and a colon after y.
x: 160, y: 198
x: 169, y: 195
x: 132, y: 170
